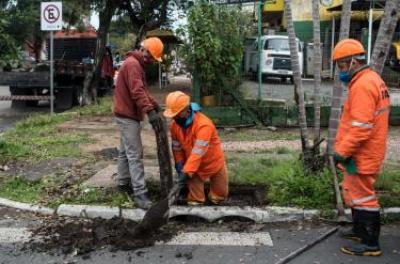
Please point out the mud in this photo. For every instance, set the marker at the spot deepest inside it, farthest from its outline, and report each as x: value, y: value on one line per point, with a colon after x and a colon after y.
x: 81, y: 236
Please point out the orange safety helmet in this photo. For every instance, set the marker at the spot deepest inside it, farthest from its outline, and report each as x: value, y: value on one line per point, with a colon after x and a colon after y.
x: 175, y: 103
x: 155, y: 46
x: 347, y: 48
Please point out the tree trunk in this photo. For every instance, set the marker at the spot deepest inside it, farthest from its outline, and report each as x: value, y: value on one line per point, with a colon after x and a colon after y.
x: 317, y: 75
x: 297, y: 80
x: 90, y: 87
x: 385, y: 35
x: 336, y: 104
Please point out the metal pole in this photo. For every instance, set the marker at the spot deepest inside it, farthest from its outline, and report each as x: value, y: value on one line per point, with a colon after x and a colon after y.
x: 370, y: 33
x: 332, y: 43
x: 259, y: 18
x: 51, y: 73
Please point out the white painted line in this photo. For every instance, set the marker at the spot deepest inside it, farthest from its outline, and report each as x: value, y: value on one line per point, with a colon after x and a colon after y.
x: 13, y: 235
x: 220, y: 239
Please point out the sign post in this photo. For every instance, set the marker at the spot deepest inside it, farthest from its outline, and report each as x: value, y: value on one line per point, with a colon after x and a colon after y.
x: 50, y: 20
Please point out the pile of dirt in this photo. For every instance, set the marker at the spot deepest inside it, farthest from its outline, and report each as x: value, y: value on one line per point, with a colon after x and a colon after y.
x: 80, y: 236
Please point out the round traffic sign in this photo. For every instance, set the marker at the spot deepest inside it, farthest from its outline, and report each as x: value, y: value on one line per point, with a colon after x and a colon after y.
x: 51, y: 14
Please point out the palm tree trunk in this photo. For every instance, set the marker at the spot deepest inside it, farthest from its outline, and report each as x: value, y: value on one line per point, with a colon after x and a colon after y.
x: 385, y: 35
x: 317, y: 74
x: 297, y: 79
x: 336, y: 104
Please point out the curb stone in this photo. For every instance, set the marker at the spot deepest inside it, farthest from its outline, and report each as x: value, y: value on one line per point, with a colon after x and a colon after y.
x: 264, y: 214
x: 27, y: 207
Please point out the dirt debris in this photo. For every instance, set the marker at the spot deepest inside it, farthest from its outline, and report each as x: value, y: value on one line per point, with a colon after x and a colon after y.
x: 81, y: 236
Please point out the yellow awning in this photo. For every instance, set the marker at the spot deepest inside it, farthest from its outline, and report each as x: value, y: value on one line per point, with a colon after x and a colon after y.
x: 273, y: 6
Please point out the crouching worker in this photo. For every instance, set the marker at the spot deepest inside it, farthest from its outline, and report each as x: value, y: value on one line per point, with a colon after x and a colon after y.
x: 197, y: 150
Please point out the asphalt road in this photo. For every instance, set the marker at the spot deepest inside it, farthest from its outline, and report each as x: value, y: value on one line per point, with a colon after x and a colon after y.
x: 286, y: 237
x: 9, y: 115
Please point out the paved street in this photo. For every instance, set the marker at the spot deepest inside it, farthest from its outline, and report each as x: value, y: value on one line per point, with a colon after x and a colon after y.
x: 273, y: 241
x: 9, y: 115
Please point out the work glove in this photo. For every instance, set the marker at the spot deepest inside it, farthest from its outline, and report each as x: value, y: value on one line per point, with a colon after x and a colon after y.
x: 154, y: 118
x: 182, y: 179
x: 347, y: 162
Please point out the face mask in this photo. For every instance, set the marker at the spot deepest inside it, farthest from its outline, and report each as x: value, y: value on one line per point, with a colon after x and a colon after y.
x: 345, y: 77
x: 181, y: 121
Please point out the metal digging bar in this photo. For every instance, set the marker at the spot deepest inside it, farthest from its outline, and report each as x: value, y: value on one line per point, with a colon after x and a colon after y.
x: 164, y: 159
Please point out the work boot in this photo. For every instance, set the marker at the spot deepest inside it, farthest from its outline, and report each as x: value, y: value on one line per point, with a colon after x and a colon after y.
x: 142, y: 201
x: 352, y: 233
x: 369, y: 231
x: 361, y: 250
x: 125, y: 188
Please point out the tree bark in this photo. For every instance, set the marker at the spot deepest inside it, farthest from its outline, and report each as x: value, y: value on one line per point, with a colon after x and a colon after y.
x: 385, y: 35
x: 297, y: 79
x: 317, y: 74
x: 336, y: 103
x: 90, y: 87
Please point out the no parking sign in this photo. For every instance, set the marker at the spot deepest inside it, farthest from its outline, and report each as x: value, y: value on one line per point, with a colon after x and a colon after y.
x: 51, y: 16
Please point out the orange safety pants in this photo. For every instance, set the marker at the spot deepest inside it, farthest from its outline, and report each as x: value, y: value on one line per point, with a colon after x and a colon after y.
x: 218, y: 187
x: 359, y: 192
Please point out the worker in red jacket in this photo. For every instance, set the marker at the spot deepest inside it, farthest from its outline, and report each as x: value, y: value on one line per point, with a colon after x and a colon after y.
x: 131, y: 102
x: 197, y: 150
x: 360, y: 144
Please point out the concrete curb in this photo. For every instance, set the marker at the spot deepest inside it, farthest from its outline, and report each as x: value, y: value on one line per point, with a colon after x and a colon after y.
x: 266, y: 214
x: 27, y: 207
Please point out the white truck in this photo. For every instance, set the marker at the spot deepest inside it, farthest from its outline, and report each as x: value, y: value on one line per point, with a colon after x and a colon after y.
x: 275, y: 57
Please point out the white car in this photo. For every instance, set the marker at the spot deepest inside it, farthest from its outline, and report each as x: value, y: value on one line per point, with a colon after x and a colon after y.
x: 275, y: 57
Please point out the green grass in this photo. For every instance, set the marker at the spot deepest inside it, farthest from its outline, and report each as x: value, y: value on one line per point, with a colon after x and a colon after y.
x: 37, y: 137
x: 21, y: 190
x: 289, y: 185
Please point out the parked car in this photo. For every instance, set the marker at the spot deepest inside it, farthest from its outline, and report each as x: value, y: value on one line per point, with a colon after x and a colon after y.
x: 275, y: 57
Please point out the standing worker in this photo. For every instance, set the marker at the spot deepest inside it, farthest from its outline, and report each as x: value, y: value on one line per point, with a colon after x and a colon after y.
x: 361, y: 144
x: 197, y: 150
x: 131, y: 101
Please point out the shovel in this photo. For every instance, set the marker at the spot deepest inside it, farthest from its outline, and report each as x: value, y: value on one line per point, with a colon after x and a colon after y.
x: 158, y: 214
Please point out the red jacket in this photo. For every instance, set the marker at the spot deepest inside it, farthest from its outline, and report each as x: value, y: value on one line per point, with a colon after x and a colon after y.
x: 198, y: 147
x: 364, y: 124
x: 131, y: 97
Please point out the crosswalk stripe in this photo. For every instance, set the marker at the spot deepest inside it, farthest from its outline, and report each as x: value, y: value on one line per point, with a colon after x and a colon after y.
x: 220, y: 239
x: 13, y: 235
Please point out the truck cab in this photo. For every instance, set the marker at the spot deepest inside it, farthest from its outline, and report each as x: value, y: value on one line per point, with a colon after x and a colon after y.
x: 275, y: 57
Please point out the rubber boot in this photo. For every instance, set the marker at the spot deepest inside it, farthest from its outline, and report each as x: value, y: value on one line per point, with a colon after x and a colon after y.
x: 352, y: 233
x: 370, y: 226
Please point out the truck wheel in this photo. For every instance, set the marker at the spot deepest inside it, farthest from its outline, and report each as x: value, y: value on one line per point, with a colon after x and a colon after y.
x: 17, y: 91
x: 64, y: 99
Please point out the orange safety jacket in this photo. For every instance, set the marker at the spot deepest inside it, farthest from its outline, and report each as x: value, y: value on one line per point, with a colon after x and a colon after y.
x: 198, y: 147
x: 364, y: 123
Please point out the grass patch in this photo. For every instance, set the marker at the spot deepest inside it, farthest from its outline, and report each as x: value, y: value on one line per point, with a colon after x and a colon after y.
x: 21, y: 190
x: 288, y: 184
x: 37, y: 137
x: 258, y: 134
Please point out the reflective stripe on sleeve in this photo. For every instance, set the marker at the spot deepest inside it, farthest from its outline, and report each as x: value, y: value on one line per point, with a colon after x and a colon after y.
x: 176, y: 145
x: 382, y: 110
x: 200, y: 142
x: 361, y: 124
x: 198, y: 151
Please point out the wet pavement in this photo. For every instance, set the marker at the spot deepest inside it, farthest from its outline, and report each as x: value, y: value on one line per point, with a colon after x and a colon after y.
x: 9, y: 115
x: 283, y: 239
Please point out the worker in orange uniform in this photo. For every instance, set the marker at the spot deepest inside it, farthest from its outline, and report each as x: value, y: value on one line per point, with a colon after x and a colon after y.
x: 197, y: 150
x: 360, y: 144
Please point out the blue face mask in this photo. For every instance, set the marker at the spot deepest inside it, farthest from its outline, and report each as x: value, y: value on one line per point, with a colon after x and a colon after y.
x: 344, y: 77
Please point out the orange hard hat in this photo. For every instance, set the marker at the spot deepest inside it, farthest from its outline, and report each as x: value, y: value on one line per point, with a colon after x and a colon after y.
x: 175, y: 103
x: 155, y: 46
x: 347, y: 48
